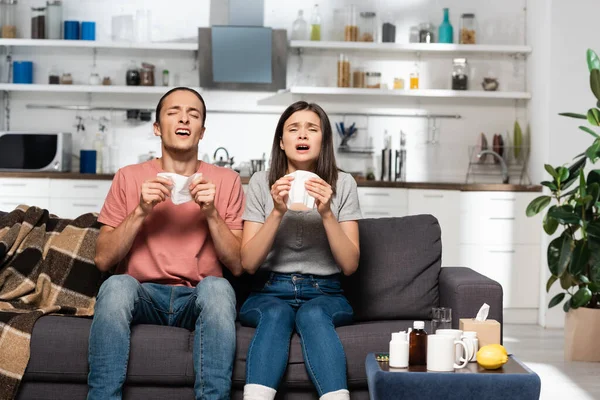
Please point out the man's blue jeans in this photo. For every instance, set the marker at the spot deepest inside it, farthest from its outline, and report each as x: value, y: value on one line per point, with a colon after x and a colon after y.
x: 122, y: 301
x: 314, y: 306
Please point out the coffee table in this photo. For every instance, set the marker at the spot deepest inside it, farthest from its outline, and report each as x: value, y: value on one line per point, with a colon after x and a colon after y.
x: 513, y: 381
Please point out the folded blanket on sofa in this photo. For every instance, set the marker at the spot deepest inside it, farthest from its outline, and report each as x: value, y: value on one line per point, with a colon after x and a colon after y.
x: 46, y: 267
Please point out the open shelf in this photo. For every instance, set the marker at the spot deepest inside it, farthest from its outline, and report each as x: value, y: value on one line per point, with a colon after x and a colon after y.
x: 12, y: 87
x: 163, y: 46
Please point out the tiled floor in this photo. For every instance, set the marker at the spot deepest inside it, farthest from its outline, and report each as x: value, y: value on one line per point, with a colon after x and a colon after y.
x: 542, y: 350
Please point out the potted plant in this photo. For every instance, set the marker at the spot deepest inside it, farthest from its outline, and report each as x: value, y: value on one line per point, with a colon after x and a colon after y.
x: 574, y: 214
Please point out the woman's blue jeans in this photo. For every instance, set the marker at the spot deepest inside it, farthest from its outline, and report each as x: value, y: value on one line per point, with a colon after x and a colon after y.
x: 314, y: 306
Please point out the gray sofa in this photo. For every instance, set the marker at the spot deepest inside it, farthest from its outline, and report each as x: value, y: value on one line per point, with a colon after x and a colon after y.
x: 399, y: 279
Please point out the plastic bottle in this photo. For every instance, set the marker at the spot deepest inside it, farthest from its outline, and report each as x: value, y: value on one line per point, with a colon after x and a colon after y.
x: 445, y: 31
x: 399, y: 350
x: 418, y: 344
x: 300, y: 27
x: 315, y: 24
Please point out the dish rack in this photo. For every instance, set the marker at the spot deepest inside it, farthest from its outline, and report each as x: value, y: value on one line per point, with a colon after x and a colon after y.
x: 489, y: 165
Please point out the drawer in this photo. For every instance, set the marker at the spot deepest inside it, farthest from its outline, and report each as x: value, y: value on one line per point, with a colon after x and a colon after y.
x: 72, y: 208
x: 24, y: 187
x: 383, y: 197
x: 79, y: 189
x: 384, y: 212
x: 9, y: 203
x: 496, y: 204
x: 477, y: 228
x: 515, y: 267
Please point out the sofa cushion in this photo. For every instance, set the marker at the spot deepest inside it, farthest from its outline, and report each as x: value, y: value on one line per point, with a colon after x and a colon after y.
x: 397, y: 276
x: 162, y: 355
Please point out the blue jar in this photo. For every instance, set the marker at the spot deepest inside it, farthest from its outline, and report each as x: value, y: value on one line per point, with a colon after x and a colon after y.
x: 88, y: 30
x: 446, y: 32
x: 23, y: 72
x: 71, y: 30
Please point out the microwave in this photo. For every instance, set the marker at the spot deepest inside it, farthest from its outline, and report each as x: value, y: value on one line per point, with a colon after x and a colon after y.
x: 35, y: 151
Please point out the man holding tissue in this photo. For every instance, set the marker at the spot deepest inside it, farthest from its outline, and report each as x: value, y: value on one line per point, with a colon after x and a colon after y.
x: 169, y: 226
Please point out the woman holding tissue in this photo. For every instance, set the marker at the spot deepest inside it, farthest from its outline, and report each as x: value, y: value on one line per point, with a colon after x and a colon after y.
x: 300, y: 233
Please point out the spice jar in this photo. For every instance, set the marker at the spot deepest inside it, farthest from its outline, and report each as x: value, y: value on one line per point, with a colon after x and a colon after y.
x: 38, y: 22
x: 351, y: 27
x: 426, y: 33
x: 106, y: 81
x: 95, y: 79
x: 468, y: 29
x: 460, y: 74
x: 373, y: 80
x: 343, y: 71
x: 132, y: 76
x: 66, y: 79
x: 54, y: 19
x: 147, y: 75
x: 398, y: 83
x: 358, y: 78
x: 9, y: 19
x: 368, y: 27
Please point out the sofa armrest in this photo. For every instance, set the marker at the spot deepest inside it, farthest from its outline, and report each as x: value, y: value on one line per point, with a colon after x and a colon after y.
x: 465, y: 291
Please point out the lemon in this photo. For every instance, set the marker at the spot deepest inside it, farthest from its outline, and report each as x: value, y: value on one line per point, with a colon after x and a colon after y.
x: 492, y: 356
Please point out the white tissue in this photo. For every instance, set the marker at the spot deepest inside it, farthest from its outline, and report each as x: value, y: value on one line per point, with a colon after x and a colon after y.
x: 180, y: 191
x: 483, y: 312
x: 299, y: 199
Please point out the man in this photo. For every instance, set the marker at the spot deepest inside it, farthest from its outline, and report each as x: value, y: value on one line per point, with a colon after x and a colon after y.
x: 169, y: 256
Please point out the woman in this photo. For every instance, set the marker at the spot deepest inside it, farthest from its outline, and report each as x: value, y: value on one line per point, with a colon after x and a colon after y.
x: 302, y: 253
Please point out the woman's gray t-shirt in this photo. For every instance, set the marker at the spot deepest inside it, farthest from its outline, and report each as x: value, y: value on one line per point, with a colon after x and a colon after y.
x: 301, y: 244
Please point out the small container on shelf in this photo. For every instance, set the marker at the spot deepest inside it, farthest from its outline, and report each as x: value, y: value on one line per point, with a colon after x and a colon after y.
x: 54, y: 76
x: 468, y: 29
x: 9, y: 19
x: 398, y: 83
x: 358, y: 78
x: 414, y: 78
x: 66, y: 79
x: 343, y: 71
x: 315, y: 24
x: 351, y: 27
x: 373, y: 80
x: 106, y: 81
x: 147, y: 75
x: 426, y: 34
x: 414, y: 35
x: 54, y: 19
x: 460, y: 74
x: 388, y: 29
x: 38, y: 22
x: 368, y: 27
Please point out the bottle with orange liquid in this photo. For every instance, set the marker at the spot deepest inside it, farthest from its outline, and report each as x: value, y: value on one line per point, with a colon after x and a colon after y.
x: 414, y: 78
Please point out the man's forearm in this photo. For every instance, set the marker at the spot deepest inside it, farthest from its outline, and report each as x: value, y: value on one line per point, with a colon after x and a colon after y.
x: 112, y: 246
x: 226, y: 243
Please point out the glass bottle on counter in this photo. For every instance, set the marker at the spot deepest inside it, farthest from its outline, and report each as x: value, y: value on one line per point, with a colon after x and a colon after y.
x: 417, y: 352
x: 9, y: 19
x: 468, y: 29
x: 315, y: 24
x: 445, y: 31
x: 300, y: 27
x: 368, y: 27
x: 54, y: 19
x: 343, y: 71
x: 414, y: 77
x: 38, y: 22
x: 351, y: 27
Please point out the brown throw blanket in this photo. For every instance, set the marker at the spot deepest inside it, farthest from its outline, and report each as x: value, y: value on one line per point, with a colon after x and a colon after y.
x: 46, y: 267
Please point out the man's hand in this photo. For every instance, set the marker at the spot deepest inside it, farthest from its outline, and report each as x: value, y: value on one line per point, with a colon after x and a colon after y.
x: 154, y: 191
x: 203, y: 193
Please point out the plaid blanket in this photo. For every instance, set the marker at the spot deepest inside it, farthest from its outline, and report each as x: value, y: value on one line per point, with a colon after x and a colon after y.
x: 46, y: 267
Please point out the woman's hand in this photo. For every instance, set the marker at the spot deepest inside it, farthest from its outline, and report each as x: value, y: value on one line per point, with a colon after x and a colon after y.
x: 322, y: 192
x: 280, y: 192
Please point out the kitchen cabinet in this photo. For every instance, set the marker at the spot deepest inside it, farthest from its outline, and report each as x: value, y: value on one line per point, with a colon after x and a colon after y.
x: 69, y: 198
x: 383, y: 202
x: 16, y: 191
x: 445, y: 206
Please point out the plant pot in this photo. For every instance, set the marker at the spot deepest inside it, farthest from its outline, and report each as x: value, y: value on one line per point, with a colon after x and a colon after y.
x: 582, y: 330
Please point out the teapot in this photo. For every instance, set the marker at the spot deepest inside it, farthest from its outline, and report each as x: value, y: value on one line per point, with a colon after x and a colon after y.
x: 227, y: 163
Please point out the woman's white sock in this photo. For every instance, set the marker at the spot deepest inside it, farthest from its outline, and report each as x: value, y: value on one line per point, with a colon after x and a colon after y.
x: 341, y: 394
x: 259, y: 392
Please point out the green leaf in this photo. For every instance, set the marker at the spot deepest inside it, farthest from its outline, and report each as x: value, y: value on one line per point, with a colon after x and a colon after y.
x: 566, y: 281
x: 593, y: 176
x: 550, y: 282
x: 595, y: 82
x: 593, y: 116
x: 551, y: 170
x: 593, y: 230
x: 563, y: 215
x: 556, y: 300
x: 582, y: 188
x: 594, y: 194
x: 559, y: 254
x: 593, y: 150
x: 550, y: 224
x: 588, y: 130
x: 574, y: 171
x: 581, y: 298
x: 573, y: 115
x: 583, y: 279
x: 567, y: 306
x: 551, y: 185
x: 592, y: 60
x: 594, y: 287
x: 537, y: 205
x: 563, y: 174
x: 580, y: 258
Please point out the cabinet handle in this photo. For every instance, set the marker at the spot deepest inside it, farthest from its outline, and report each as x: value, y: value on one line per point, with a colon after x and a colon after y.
x: 378, y: 194
x: 433, y: 196
x: 502, y: 218
x: 503, y: 251
x: 85, y: 186
x: 14, y: 184
x: 85, y: 205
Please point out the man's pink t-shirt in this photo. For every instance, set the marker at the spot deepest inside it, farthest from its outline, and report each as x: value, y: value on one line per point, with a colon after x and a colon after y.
x: 173, y: 246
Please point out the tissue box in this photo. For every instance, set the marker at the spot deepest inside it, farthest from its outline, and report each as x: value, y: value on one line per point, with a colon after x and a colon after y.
x: 488, y: 331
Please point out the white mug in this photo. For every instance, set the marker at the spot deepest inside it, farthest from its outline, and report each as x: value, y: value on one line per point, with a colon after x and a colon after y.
x: 472, y: 345
x: 457, y: 335
x: 441, y: 353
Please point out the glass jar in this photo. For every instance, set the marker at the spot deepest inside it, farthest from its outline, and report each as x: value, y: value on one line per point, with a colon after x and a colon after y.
x: 132, y: 76
x: 54, y: 19
x: 343, y: 71
x: 373, y: 80
x: 38, y: 22
x: 413, y: 36
x: 358, y: 78
x: 468, y: 29
x: 9, y: 19
x: 95, y: 79
x: 54, y: 76
x: 147, y: 75
x: 351, y: 27
x: 388, y: 29
x: 368, y: 27
x: 414, y: 77
x: 426, y: 33
x: 460, y: 74
x: 398, y: 83
x: 66, y: 79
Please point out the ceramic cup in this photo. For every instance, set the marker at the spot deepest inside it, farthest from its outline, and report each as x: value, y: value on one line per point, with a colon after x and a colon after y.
x: 457, y: 335
x: 441, y: 353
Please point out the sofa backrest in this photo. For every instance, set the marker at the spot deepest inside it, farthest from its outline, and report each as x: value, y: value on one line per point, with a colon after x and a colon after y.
x: 397, y: 276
